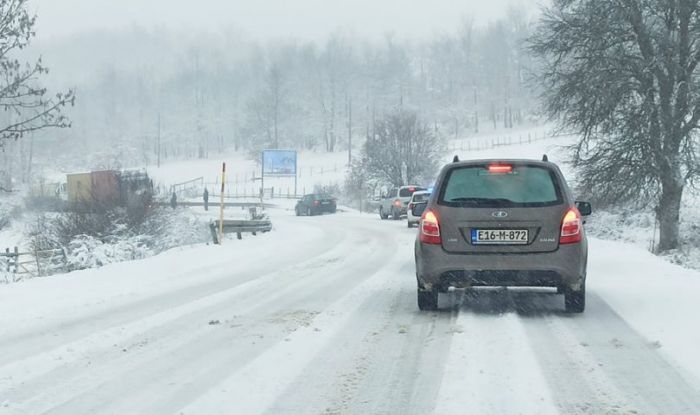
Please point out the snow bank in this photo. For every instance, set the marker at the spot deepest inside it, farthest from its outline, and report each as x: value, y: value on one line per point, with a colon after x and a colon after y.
x: 659, y: 299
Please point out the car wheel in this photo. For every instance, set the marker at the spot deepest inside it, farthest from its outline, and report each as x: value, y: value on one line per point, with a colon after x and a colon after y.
x: 428, y: 300
x: 575, y: 301
x: 410, y: 224
x: 382, y: 215
x: 297, y: 212
x: 309, y: 212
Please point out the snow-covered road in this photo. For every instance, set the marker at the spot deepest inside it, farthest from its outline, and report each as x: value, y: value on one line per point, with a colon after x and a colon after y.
x: 320, y: 317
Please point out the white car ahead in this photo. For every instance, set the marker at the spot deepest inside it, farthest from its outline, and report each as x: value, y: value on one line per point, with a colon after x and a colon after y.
x: 416, y: 206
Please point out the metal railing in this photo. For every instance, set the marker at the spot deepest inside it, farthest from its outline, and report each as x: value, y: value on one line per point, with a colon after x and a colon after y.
x: 32, y: 263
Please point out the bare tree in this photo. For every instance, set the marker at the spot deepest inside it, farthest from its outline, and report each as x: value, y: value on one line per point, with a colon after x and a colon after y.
x: 624, y: 75
x: 404, y: 150
x: 21, y: 96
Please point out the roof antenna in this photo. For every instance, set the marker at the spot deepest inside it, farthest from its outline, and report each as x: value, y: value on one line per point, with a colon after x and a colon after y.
x: 456, y: 159
x: 545, y: 158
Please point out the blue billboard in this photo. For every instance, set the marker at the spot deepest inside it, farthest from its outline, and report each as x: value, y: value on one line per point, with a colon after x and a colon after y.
x: 279, y: 162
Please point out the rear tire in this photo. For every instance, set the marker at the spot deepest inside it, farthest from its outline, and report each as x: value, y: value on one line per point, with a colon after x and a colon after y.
x: 428, y: 300
x: 309, y: 212
x: 297, y: 212
x: 382, y: 215
x: 575, y: 301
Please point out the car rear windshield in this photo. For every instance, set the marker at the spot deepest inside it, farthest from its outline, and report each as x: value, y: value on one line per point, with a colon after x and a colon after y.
x: 423, y: 197
x: 408, y: 191
x: 517, y: 186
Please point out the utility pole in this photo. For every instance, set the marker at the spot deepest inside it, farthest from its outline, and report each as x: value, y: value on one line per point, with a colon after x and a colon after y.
x: 476, y: 112
x: 158, y: 144
x: 349, y: 131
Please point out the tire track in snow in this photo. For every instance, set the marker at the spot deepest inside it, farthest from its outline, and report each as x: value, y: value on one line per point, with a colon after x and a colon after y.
x: 216, y: 278
x: 491, y: 368
x: 380, y: 362
x: 600, y: 364
x: 20, y: 371
x: 251, y: 390
x: 297, y: 287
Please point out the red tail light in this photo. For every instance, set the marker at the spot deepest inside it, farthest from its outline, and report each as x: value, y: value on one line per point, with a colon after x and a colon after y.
x: 571, y: 227
x: 430, y: 228
x: 317, y: 202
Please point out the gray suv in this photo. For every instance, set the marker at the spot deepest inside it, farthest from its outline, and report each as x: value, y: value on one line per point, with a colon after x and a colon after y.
x: 395, y: 202
x: 502, y: 223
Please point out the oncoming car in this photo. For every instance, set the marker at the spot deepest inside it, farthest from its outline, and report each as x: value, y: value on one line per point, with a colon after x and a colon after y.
x: 502, y: 223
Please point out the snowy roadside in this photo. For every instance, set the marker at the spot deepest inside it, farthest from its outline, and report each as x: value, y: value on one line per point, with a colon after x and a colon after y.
x: 657, y: 298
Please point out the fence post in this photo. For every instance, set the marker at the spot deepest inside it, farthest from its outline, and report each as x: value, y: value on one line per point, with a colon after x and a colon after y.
x: 38, y: 262
x: 16, y: 263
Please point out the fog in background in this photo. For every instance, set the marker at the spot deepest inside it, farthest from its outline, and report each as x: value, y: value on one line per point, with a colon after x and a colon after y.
x: 309, y: 74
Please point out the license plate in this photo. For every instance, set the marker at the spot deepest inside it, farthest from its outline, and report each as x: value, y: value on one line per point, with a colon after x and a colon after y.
x: 325, y: 203
x: 500, y: 236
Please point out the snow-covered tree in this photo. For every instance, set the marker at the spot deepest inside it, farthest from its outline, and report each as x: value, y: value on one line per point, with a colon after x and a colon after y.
x: 624, y: 75
x: 404, y: 150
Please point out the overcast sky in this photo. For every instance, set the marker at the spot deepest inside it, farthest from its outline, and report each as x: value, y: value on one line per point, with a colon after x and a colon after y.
x: 270, y: 19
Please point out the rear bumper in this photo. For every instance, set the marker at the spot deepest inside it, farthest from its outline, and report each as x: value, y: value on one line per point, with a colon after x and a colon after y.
x: 564, y: 267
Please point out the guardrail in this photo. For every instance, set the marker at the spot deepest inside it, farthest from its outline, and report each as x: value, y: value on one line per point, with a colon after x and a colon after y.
x: 239, y: 227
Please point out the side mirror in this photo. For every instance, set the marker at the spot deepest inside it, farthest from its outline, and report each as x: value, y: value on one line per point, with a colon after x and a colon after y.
x: 584, y: 208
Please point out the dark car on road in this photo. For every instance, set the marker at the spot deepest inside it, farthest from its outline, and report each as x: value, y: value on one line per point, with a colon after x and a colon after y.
x: 502, y: 223
x: 315, y: 204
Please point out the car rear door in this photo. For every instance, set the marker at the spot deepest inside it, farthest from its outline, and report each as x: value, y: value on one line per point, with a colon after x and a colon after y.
x: 475, y: 216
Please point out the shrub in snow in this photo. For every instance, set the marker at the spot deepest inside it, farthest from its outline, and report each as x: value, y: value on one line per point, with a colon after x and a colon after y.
x: 639, y: 226
x: 95, y: 239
